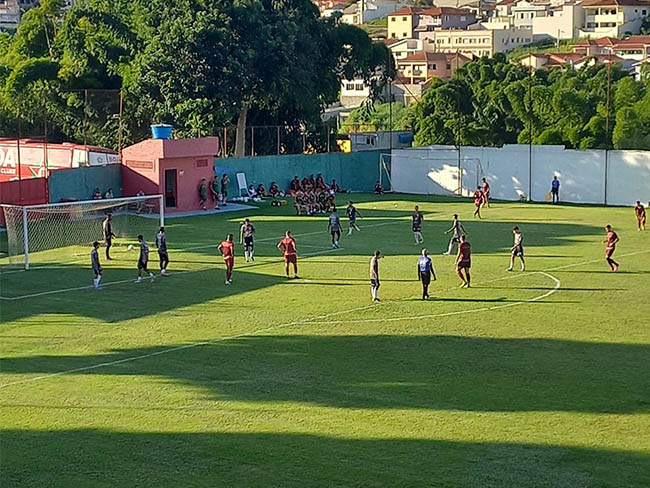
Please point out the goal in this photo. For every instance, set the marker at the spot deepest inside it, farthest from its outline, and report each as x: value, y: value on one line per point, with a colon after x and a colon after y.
x: 59, y: 233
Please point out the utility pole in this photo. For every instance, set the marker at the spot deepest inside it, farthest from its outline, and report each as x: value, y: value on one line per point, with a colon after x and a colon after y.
x: 390, y: 103
x: 530, y: 132
x: 458, y: 141
x: 607, y: 105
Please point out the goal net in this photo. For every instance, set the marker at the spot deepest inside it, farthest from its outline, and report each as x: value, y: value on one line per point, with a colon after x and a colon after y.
x: 41, y: 235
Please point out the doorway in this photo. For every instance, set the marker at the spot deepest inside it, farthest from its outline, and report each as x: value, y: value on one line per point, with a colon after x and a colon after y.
x: 170, y: 188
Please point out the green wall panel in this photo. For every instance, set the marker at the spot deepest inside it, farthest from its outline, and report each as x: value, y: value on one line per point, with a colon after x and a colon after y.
x: 79, y: 183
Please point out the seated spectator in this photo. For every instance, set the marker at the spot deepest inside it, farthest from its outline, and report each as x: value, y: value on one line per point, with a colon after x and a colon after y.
x: 322, y: 201
x: 261, y: 191
x: 312, y: 181
x: 251, y: 191
x: 274, y: 190
x: 336, y: 188
x: 379, y: 190
x: 295, y: 184
x: 300, y: 203
x: 141, y: 204
x: 97, y: 194
x: 304, y: 184
x: 320, y: 182
x: 109, y: 193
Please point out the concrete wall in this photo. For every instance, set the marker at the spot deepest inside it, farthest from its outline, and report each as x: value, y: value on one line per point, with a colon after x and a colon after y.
x: 434, y: 170
x: 353, y: 171
x: 79, y: 183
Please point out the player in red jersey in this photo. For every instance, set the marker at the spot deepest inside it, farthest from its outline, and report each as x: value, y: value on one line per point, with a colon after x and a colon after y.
x: 290, y: 250
x: 486, y: 192
x: 610, y: 247
x: 464, y: 261
x: 639, y: 211
x: 479, y: 200
x: 227, y: 250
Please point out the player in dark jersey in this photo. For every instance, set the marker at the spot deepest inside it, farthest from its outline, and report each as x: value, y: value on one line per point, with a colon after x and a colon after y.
x: 246, y: 237
x: 97, y: 268
x: 485, y: 187
x: 374, y: 276
x: 517, y: 249
x: 203, y: 193
x: 143, y: 260
x: 353, y: 213
x: 290, y: 250
x: 227, y: 250
x: 107, y: 230
x: 610, y: 246
x: 334, y: 228
x: 639, y: 211
x: 425, y: 272
x: 458, y: 230
x: 163, y: 255
x: 479, y: 199
x: 418, y: 218
x: 464, y: 261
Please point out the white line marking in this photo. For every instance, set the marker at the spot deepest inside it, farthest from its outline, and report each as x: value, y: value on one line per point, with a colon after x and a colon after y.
x: 307, y: 321
x: 130, y: 280
x: 555, y: 288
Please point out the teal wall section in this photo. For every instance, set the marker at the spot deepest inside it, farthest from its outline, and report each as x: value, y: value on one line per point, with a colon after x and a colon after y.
x: 79, y: 183
x: 353, y: 171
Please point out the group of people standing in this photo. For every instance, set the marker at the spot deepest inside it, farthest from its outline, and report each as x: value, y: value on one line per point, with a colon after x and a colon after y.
x: 217, y: 189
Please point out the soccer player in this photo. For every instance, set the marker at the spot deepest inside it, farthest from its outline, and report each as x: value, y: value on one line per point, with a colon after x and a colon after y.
x: 464, y: 261
x: 214, y: 191
x: 418, y: 218
x: 334, y: 228
x: 517, y: 249
x: 143, y: 260
x: 97, y: 268
x: 225, y: 181
x: 203, y: 193
x: 639, y: 211
x: 555, y: 190
x: 107, y: 230
x: 374, y: 276
x: 458, y: 230
x: 610, y: 246
x: 486, y: 192
x: 479, y: 199
x: 227, y: 250
x: 353, y: 213
x: 246, y: 234
x: 163, y: 255
x: 425, y: 272
x: 290, y: 250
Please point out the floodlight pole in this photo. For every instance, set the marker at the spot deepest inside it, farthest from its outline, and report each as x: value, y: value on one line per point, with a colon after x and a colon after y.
x: 530, y: 132
x: 26, y: 238
x: 609, y: 87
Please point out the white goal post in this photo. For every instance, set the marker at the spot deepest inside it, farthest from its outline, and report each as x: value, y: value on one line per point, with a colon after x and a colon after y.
x: 62, y: 232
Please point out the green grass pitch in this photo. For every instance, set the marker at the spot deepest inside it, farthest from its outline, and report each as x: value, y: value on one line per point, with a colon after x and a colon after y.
x: 534, y: 379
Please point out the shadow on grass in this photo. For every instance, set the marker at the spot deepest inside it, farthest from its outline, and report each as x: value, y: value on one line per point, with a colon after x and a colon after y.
x: 423, y: 372
x: 103, y: 458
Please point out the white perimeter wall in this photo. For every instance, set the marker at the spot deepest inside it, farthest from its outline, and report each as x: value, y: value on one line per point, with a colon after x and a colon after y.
x: 434, y: 170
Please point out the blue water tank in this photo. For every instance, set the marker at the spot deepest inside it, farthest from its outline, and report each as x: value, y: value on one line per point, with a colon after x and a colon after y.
x: 405, y: 138
x: 162, y: 131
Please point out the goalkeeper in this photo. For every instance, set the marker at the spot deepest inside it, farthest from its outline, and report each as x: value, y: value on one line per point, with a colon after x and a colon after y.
x: 107, y: 228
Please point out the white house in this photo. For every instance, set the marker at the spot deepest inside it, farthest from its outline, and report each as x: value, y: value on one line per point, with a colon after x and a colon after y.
x: 366, y: 10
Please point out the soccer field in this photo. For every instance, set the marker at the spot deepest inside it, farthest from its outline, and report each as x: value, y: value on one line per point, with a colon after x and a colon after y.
x: 533, y: 379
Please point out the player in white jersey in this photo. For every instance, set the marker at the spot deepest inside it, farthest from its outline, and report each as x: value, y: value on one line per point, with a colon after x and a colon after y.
x: 517, y: 249
x: 458, y: 230
x: 163, y: 255
x: 143, y: 260
x: 246, y: 237
x: 97, y: 268
x: 334, y: 228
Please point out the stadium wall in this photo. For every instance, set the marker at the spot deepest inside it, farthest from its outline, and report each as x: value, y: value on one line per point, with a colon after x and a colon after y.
x: 595, y: 176
x: 353, y: 171
x: 79, y: 183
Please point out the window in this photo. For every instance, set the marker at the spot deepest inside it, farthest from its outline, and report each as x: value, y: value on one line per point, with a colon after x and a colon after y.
x: 643, y: 12
x: 433, y: 66
x: 448, y: 65
x: 463, y: 18
x: 403, y: 19
x: 349, y: 86
x: 393, y: 35
x: 201, y: 163
x: 392, y: 19
x: 404, y: 34
x: 359, y: 86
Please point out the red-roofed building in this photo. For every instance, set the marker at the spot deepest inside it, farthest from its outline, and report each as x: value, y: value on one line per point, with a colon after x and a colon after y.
x: 614, y: 18
x: 412, y: 22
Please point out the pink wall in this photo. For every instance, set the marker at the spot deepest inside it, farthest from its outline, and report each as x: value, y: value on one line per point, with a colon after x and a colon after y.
x: 144, y: 165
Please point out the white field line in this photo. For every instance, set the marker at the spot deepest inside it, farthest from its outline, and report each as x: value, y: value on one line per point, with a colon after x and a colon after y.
x: 555, y: 288
x: 307, y: 321
x: 131, y: 280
